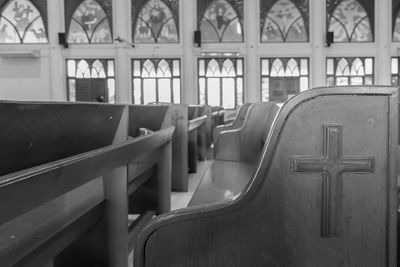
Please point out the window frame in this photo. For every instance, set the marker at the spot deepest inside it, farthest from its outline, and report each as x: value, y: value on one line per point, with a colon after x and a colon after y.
x: 170, y: 64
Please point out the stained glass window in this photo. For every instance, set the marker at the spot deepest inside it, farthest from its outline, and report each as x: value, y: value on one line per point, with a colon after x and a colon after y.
x: 351, y: 20
x: 156, y: 80
x: 396, y: 20
x: 283, y: 77
x: 155, y: 21
x: 284, y: 21
x: 220, y: 21
x: 395, y: 74
x: 89, y: 21
x: 23, y: 21
x: 350, y: 71
x: 91, y: 80
x: 221, y: 82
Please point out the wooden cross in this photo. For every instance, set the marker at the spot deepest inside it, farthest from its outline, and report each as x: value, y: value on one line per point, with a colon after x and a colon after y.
x: 332, y: 164
x: 176, y: 117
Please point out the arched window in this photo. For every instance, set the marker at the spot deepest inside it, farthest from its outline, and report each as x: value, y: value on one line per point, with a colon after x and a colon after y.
x: 155, y: 21
x: 283, y: 21
x: 283, y: 77
x: 350, y: 71
x: 156, y: 80
x: 396, y: 20
x: 21, y: 21
x: 221, y: 82
x: 220, y: 21
x: 91, y: 80
x: 350, y: 21
x: 89, y: 22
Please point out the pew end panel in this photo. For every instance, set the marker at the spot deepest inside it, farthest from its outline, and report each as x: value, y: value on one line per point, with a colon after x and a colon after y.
x: 179, y: 118
x: 280, y: 219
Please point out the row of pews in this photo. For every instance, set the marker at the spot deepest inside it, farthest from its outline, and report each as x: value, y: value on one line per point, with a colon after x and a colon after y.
x: 313, y: 183
x: 71, y: 175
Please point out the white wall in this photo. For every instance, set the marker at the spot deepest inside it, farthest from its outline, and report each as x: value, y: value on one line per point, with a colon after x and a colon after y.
x: 44, y: 78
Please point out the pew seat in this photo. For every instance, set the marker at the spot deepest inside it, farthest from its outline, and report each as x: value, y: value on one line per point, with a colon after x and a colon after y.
x: 222, y: 181
x: 236, y: 154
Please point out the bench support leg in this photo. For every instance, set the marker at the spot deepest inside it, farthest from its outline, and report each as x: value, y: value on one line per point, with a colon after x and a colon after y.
x: 116, y: 214
x: 164, y: 168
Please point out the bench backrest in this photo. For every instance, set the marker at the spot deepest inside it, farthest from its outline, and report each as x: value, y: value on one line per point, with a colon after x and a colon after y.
x: 146, y: 116
x: 256, y: 127
x: 37, y: 133
x: 323, y: 195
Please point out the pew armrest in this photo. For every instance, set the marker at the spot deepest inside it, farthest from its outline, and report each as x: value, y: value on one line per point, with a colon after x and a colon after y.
x: 228, y: 146
x: 179, y: 238
x: 221, y: 128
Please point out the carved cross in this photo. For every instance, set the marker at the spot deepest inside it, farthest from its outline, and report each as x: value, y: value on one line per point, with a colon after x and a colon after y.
x: 332, y: 165
x: 176, y: 117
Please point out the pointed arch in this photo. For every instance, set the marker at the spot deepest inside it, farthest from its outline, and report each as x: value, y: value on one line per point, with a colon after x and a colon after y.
x: 277, y: 68
x: 156, y: 23
x: 148, y: 69
x: 89, y: 24
x: 213, y: 69
x: 83, y: 69
x: 228, y: 69
x: 350, y: 22
x: 163, y: 69
x: 292, y: 68
x: 98, y: 69
x: 284, y: 23
x: 220, y: 23
x: 357, y: 68
x: 343, y: 68
x: 21, y: 22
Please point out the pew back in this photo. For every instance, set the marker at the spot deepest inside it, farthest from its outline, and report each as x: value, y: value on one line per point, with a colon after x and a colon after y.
x: 324, y: 193
x: 37, y: 133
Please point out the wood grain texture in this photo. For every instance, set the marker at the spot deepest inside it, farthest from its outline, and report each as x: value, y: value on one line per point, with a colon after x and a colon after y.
x: 275, y: 221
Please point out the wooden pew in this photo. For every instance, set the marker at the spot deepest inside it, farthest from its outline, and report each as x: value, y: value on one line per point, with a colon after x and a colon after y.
x: 207, y: 111
x: 218, y: 116
x: 49, y: 190
x: 235, y: 124
x: 236, y: 154
x: 197, y: 137
x: 324, y: 193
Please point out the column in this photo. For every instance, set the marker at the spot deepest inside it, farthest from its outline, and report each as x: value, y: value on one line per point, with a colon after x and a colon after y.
x: 189, y: 75
x: 252, y: 67
x: 122, y: 13
x: 383, y: 37
x: 317, y: 39
x: 57, y: 71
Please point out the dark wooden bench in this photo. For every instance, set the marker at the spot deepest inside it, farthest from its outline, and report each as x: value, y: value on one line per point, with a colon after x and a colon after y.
x: 197, y: 137
x: 51, y: 195
x: 235, y: 124
x: 324, y: 193
x: 236, y: 155
x: 218, y: 116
